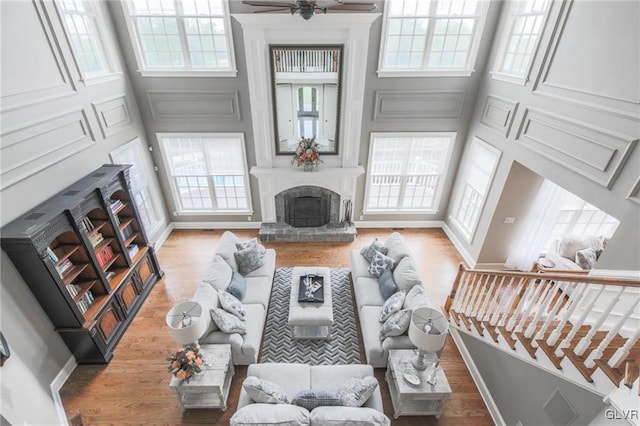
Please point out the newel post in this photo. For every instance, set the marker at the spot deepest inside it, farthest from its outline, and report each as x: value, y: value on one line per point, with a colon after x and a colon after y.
x: 454, y: 289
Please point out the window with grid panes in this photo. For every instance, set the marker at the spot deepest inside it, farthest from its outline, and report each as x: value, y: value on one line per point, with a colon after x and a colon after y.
x: 430, y: 36
x: 181, y: 35
x: 406, y: 171
x: 521, y: 40
x: 471, y: 192
x: 208, y: 172
x: 81, y: 23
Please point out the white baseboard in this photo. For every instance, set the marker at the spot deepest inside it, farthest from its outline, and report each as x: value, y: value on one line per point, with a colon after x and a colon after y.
x: 163, y: 236
x: 491, y: 266
x: 394, y: 224
x: 477, y: 378
x: 468, y: 259
x: 57, y: 384
x: 216, y: 225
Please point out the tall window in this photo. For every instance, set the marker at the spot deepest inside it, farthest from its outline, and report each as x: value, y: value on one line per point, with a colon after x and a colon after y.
x: 406, y: 171
x: 81, y: 23
x: 208, y: 172
x: 181, y: 35
x: 473, y: 187
x: 422, y: 37
x: 520, y: 42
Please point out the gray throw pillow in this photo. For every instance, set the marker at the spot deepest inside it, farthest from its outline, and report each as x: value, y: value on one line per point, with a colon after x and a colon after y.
x: 392, y: 305
x: 586, y: 258
x: 228, y: 323
x: 264, y: 391
x: 387, y: 284
x: 396, y: 325
x: 248, y: 260
x: 237, y: 286
x: 355, y: 392
x: 312, y: 398
x: 369, y: 251
x: 406, y: 274
x: 232, y: 305
x: 251, y: 243
x: 380, y: 262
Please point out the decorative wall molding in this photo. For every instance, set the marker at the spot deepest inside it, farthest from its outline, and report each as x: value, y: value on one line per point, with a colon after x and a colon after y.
x: 596, y: 153
x: 35, y: 146
x: 634, y: 194
x: 194, y: 105
x: 113, y: 115
x: 418, y: 105
x: 498, y: 113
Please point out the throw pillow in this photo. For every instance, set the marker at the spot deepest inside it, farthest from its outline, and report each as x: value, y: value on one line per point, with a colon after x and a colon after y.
x: 218, y: 273
x: 208, y: 298
x: 392, y: 305
x: 356, y: 391
x: 227, y: 247
x: 406, y: 274
x: 264, y: 391
x: 397, y: 248
x: 248, y: 260
x: 251, y: 243
x: 369, y: 251
x: 387, y: 284
x: 237, y: 286
x: 586, y: 258
x: 417, y: 297
x: 232, y: 305
x: 379, y: 262
x: 228, y: 323
x: 312, y: 398
x: 570, y: 244
x: 396, y: 325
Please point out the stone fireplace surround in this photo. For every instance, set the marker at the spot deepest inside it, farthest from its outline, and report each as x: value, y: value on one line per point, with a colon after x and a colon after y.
x: 329, y: 201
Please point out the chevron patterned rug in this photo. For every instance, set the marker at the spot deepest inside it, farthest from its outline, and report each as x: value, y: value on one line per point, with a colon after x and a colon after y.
x: 341, y: 348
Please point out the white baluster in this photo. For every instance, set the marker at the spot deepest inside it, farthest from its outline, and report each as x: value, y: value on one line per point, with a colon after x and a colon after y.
x: 543, y: 308
x: 506, y: 293
x: 481, y: 311
x: 596, y: 354
x: 623, y: 352
x: 476, y: 292
x: 463, y: 291
x: 530, y: 304
x: 552, y: 315
x: 467, y: 298
x: 507, y: 307
x: 586, y: 340
x: 567, y: 340
x: 521, y: 305
x: 494, y: 305
x: 575, y: 301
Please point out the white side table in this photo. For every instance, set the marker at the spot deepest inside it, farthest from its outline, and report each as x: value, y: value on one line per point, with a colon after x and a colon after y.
x: 415, y: 400
x: 210, y: 387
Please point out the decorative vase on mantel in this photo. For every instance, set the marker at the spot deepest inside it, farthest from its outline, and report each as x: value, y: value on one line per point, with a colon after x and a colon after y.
x: 309, y: 167
x: 307, y: 154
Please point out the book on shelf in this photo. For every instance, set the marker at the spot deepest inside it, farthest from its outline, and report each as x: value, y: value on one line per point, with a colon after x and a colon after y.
x: 115, y: 205
x: 110, y: 275
x: 96, y: 239
x: 64, y: 267
x: 104, y: 255
x: 72, y: 289
x: 132, y: 249
x: 87, y: 223
x: 52, y: 255
x: 126, y: 232
x: 82, y: 305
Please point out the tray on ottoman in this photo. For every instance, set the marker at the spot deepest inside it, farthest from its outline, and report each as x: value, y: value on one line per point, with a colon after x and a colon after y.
x: 311, y: 289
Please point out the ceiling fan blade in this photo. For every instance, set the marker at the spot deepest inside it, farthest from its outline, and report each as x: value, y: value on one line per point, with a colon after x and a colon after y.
x: 364, y: 7
x: 267, y: 3
x: 278, y: 9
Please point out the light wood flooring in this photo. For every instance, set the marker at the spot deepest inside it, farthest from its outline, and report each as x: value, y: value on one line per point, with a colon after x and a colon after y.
x: 133, y: 388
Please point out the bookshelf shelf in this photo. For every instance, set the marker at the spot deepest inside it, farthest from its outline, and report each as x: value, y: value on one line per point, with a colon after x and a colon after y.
x: 64, y: 252
x: 84, y: 287
x: 73, y: 273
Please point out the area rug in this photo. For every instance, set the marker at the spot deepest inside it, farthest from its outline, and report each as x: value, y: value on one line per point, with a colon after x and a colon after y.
x: 341, y: 348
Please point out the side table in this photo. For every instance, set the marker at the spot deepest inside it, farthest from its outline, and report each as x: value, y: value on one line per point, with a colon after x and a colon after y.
x: 415, y: 400
x: 210, y: 387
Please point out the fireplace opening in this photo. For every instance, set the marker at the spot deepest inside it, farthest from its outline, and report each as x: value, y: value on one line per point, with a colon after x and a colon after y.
x: 307, y: 211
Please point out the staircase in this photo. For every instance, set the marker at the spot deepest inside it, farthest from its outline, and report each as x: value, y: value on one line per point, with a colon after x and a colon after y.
x: 585, y: 328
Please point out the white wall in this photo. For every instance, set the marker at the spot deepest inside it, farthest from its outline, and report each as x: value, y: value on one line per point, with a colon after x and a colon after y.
x: 55, y: 129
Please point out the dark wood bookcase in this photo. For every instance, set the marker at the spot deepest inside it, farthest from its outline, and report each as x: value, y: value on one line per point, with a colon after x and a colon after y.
x: 87, y: 259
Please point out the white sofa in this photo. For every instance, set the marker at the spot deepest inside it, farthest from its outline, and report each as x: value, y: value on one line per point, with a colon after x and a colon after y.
x: 292, y: 378
x: 369, y: 299
x: 564, y: 255
x: 244, y: 348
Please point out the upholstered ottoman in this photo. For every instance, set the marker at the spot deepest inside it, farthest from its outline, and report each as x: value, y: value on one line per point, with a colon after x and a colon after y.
x: 310, y: 320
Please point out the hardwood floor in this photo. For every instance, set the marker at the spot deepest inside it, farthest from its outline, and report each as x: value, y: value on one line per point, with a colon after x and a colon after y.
x: 133, y: 388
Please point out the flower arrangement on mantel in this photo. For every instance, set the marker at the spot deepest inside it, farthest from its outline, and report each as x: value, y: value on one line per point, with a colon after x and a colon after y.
x: 307, y: 154
x: 185, y: 363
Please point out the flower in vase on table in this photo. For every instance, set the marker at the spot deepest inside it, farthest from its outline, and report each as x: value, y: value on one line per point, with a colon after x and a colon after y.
x: 185, y: 363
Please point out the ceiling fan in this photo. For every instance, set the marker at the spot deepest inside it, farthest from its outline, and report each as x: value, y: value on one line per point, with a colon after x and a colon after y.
x: 307, y: 8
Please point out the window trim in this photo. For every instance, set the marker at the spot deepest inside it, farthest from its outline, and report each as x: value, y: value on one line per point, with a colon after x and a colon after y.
x: 175, y: 196
x: 443, y: 176
x: 456, y: 199
x: 483, y: 9
x: 180, y: 72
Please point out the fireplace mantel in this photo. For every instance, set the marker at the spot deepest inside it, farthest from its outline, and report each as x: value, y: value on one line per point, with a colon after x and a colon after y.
x: 272, y: 181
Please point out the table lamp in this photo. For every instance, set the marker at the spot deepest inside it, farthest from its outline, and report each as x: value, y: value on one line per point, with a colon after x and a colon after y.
x: 187, y: 323
x: 428, y: 331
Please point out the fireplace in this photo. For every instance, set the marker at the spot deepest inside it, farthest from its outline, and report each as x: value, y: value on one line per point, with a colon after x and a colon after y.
x: 307, y: 211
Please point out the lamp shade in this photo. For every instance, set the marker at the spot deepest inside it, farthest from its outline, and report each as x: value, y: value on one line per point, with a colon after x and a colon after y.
x: 428, y: 329
x: 187, y: 322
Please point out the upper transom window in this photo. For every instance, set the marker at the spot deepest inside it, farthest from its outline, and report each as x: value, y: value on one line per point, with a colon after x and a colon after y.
x: 192, y: 37
x: 437, y: 37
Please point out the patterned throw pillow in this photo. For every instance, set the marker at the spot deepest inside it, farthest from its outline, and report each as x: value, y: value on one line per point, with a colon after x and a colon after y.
x: 237, y: 286
x: 251, y: 243
x: 369, y: 251
x: 392, y: 305
x: 586, y: 258
x: 312, y: 398
x: 387, y: 284
x: 248, y: 260
x: 232, y: 305
x: 396, y: 325
x: 380, y: 262
x: 264, y: 391
x: 228, y: 323
x: 355, y: 392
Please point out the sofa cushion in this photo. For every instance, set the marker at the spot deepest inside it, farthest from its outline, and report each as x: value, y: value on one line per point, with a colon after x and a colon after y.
x: 264, y: 391
x: 392, y: 304
x: 370, y: 328
x: 227, y: 247
x: 312, y: 398
x: 251, y: 243
x: 290, y: 376
x: 348, y: 416
x: 218, y: 273
x: 271, y: 414
x: 228, y: 323
x: 396, y: 324
x: 367, y: 292
x: 231, y: 304
x: 406, y: 275
x: 248, y: 259
x: 570, y: 244
x: 369, y: 251
x: 586, y: 258
x: 416, y: 297
x: 387, y: 284
x: 359, y: 265
x: 397, y: 247
x: 355, y: 391
x: 237, y: 286
x: 207, y: 297
x: 258, y: 291
x: 380, y: 262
